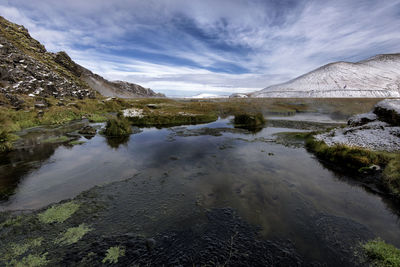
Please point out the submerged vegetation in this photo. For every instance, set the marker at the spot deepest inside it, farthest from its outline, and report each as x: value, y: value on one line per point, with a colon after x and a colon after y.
x: 21, y: 251
x: 113, y: 254
x: 58, y: 213
x: 381, y: 253
x: 73, y: 234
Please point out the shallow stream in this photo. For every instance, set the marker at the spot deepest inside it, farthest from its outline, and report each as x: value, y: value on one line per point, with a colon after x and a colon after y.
x: 159, y: 181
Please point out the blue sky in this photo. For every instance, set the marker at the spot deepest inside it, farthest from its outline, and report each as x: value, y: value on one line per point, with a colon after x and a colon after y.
x: 187, y: 47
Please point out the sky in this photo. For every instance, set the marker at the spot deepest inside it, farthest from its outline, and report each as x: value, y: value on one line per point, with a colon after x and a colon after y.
x: 188, y: 47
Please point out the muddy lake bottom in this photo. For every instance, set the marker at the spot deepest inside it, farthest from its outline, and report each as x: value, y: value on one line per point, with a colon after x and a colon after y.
x: 196, y: 195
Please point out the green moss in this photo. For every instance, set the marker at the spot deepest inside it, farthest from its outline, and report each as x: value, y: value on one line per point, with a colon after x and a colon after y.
x: 58, y: 213
x: 381, y: 253
x: 73, y: 235
x: 118, y: 126
x: 60, y: 139
x: 113, y: 254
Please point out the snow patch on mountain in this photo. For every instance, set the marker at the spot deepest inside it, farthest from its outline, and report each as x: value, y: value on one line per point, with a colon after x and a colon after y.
x: 378, y: 77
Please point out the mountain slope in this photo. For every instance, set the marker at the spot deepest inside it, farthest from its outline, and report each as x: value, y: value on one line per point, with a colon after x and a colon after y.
x: 27, y: 68
x: 378, y: 76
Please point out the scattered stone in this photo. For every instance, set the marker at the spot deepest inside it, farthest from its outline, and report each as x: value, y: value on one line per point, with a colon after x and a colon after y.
x: 88, y: 130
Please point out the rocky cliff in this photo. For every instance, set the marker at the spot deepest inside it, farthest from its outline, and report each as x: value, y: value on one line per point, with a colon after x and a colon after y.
x: 378, y: 76
x: 27, y: 68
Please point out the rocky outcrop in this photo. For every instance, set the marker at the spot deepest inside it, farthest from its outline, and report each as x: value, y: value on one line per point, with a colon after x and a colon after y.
x: 27, y: 68
x: 388, y: 111
x: 376, y: 130
x: 378, y: 77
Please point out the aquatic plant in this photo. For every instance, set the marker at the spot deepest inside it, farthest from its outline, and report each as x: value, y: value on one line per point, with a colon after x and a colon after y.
x: 381, y: 253
x: 113, y: 254
x: 58, y: 213
x: 19, y: 249
x: 73, y: 235
x: 15, y: 251
x: 13, y: 221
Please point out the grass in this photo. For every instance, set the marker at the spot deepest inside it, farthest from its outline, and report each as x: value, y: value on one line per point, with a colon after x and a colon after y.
x: 249, y: 120
x: 358, y: 159
x: 6, y: 140
x: 73, y: 235
x: 97, y: 118
x: 113, y: 254
x: 170, y: 112
x: 58, y: 213
x: 391, y: 175
x: 118, y: 126
x: 382, y: 254
x: 160, y: 119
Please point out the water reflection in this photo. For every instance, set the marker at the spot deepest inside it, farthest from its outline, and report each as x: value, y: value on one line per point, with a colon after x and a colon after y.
x: 116, y: 142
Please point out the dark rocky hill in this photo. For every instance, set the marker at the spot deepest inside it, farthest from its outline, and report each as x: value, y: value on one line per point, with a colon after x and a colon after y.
x: 27, y: 68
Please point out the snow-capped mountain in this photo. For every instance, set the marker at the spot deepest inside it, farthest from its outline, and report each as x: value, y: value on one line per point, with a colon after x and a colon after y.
x: 205, y: 95
x: 378, y: 76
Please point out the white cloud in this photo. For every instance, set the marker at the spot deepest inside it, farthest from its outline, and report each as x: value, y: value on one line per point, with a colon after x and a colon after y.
x: 273, y: 40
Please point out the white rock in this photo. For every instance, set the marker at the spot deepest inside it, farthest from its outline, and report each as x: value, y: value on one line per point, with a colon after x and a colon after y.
x: 133, y: 112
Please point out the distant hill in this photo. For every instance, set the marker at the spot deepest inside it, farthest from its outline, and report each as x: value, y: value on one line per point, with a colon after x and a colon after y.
x: 378, y: 76
x: 27, y: 68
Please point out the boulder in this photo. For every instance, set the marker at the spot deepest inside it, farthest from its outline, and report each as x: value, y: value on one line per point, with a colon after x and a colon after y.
x: 362, y: 119
x: 388, y: 111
